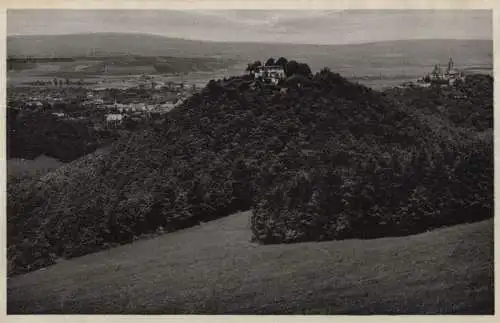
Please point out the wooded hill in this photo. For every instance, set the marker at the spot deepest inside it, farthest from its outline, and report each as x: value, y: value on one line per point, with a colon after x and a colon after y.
x: 327, y: 160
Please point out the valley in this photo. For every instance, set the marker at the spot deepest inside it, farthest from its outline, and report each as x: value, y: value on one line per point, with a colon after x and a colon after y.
x: 163, y: 178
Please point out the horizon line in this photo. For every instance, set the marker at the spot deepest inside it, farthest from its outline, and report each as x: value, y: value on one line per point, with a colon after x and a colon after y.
x: 244, y: 42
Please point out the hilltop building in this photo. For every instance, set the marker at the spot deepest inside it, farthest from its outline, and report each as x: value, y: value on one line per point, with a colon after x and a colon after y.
x: 452, y: 74
x: 272, y: 74
x: 438, y: 77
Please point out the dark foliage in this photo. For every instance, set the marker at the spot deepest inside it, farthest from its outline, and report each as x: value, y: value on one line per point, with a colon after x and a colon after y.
x: 329, y: 160
x: 294, y: 67
x: 468, y: 104
x: 37, y: 133
x: 270, y: 62
x: 282, y: 61
x: 253, y: 66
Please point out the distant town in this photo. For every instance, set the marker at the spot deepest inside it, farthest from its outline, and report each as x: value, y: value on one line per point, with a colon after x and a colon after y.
x: 141, y: 99
x: 105, y: 107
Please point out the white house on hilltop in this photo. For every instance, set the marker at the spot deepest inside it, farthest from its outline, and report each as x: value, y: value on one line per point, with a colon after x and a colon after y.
x: 273, y: 73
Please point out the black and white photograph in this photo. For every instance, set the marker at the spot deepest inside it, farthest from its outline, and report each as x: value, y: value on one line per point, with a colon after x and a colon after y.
x: 249, y: 161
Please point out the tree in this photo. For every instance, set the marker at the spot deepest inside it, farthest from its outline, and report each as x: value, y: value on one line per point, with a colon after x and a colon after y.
x: 270, y: 62
x: 282, y: 62
x: 253, y: 66
x: 130, y: 124
x: 325, y: 70
x: 304, y: 69
x: 293, y: 67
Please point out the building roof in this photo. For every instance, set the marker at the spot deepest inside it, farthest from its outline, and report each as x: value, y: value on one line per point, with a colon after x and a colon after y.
x: 270, y: 67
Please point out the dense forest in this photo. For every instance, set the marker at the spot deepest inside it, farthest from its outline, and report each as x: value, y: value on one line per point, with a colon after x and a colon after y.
x: 30, y: 135
x: 325, y: 159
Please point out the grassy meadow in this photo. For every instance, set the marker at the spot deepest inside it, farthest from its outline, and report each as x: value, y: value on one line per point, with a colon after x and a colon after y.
x: 213, y: 268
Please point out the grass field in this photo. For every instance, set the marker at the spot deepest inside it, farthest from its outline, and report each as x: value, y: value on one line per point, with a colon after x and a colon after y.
x: 213, y: 268
x: 377, y: 65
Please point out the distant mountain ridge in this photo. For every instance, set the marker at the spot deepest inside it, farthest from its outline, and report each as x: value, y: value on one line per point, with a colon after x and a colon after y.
x: 71, y: 45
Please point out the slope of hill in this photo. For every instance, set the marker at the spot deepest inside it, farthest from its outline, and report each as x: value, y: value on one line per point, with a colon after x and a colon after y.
x: 214, y: 269
x: 330, y: 160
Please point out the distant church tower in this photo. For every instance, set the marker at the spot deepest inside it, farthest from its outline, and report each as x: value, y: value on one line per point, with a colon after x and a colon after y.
x: 437, y: 71
x: 451, y: 65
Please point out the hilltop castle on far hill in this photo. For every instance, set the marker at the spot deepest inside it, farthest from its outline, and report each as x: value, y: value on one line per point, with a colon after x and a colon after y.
x: 449, y: 77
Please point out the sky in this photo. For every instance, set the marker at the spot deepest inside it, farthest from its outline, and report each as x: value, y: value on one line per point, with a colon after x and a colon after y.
x: 289, y: 26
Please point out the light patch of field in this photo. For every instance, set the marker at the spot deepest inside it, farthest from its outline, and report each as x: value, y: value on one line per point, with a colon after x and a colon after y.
x: 213, y: 268
x: 41, y: 68
x: 24, y: 167
x: 123, y: 70
x: 80, y: 67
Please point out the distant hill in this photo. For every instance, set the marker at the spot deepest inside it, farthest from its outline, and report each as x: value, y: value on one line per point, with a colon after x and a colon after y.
x: 346, y: 59
x: 100, y: 44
